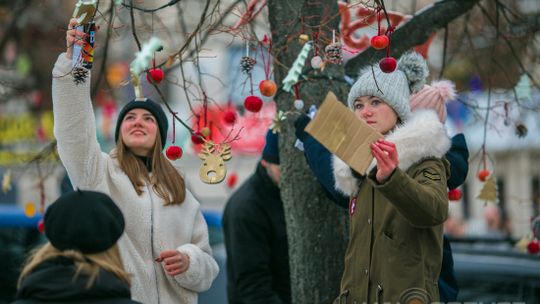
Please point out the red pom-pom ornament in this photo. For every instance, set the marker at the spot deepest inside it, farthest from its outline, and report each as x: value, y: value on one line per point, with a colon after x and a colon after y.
x: 253, y: 103
x: 197, y: 138
x: 388, y: 64
x: 268, y: 88
x: 379, y: 42
x: 173, y: 152
x: 483, y: 175
x: 455, y: 194
x: 533, y: 247
x: 156, y: 75
x: 229, y: 117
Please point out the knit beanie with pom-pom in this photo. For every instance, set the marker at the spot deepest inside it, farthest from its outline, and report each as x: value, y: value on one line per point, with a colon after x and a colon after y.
x: 393, y: 88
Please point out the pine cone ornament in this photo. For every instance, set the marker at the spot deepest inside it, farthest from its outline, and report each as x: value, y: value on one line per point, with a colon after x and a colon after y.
x: 333, y: 53
x: 79, y: 75
x: 521, y: 130
x: 247, y: 64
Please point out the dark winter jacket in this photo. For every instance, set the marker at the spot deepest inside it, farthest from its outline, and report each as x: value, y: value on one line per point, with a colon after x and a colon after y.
x: 320, y: 161
x: 53, y: 282
x: 256, y: 243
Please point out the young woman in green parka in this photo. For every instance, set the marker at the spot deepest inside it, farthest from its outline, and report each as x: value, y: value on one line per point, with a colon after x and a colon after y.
x: 396, y: 211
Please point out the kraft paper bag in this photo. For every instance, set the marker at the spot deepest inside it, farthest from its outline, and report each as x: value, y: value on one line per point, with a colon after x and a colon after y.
x: 338, y: 129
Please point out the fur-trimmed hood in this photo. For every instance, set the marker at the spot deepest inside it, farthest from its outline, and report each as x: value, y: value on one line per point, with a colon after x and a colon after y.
x: 421, y: 137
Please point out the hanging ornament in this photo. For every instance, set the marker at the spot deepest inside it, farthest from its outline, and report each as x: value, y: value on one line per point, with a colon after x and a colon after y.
x: 268, y: 88
x: 205, y: 131
x: 6, y: 181
x: 296, y: 69
x: 277, y: 122
x: 489, y: 191
x: 454, y: 194
x: 154, y: 75
x: 231, y: 180
x: 41, y: 225
x: 483, y: 175
x: 303, y: 38
x: 253, y: 103
x: 197, y: 138
x: 333, y: 52
x: 299, y: 104
x: 213, y: 168
x: 379, y: 42
x: 247, y: 64
x: 229, y: 117
x: 316, y: 62
x: 521, y: 130
x: 533, y: 247
x: 388, y: 64
x: 174, y: 152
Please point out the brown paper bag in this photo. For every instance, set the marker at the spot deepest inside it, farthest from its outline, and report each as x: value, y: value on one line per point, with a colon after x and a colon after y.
x: 340, y: 131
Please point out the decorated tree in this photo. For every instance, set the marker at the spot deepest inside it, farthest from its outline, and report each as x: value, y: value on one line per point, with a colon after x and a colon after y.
x: 311, y: 48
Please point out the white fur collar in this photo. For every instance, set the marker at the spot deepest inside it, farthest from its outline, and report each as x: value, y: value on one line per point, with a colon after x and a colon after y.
x: 421, y: 137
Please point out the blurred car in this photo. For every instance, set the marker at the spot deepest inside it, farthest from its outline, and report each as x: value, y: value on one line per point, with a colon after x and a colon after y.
x: 494, y: 271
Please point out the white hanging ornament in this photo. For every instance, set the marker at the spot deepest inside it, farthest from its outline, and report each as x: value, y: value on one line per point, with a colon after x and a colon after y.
x: 299, y: 104
x: 316, y: 62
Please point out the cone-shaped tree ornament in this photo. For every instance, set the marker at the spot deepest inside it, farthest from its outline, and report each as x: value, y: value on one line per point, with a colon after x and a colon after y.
x: 489, y: 191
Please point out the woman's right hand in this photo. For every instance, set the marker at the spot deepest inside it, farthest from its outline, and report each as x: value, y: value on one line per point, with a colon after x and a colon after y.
x: 73, y: 37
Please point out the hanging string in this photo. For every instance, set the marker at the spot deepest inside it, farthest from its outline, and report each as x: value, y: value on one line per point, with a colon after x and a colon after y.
x: 205, y: 108
x: 333, y: 36
x: 247, y: 48
x: 173, y: 126
x: 316, y: 42
x: 266, y: 64
x: 296, y: 92
x: 389, y: 32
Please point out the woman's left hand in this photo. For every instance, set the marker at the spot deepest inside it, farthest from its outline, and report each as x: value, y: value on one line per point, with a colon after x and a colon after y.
x: 174, y: 261
x: 387, y: 159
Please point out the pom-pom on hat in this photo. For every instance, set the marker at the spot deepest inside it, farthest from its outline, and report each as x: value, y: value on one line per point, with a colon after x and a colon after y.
x: 434, y: 97
x: 271, y: 148
x: 151, y: 107
x: 87, y: 221
x: 394, y: 88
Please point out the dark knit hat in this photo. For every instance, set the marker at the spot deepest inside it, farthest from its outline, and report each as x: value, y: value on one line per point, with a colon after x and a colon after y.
x: 87, y: 221
x: 151, y: 107
x: 271, y: 148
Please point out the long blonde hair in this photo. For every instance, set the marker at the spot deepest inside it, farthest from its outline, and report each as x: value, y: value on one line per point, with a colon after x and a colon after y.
x: 89, y: 264
x: 165, y: 179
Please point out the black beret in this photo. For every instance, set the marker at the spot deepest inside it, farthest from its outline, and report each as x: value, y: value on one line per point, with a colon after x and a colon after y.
x: 151, y: 107
x: 87, y: 221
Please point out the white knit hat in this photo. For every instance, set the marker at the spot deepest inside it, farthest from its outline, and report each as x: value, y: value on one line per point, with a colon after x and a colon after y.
x: 434, y: 97
x: 394, y: 88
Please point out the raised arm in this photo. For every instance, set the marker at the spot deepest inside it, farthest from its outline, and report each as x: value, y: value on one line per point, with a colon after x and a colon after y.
x: 74, y: 122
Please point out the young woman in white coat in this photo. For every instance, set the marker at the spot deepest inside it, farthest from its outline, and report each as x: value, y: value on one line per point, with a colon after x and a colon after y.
x: 165, y: 246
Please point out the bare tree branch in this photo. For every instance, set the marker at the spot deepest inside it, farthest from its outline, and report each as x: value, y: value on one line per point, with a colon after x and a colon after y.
x: 414, y: 32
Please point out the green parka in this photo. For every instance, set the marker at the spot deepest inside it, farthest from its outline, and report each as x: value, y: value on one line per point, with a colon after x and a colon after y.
x: 395, y: 246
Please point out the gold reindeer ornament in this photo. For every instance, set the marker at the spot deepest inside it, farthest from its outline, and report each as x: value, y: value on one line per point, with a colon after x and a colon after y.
x: 213, y: 168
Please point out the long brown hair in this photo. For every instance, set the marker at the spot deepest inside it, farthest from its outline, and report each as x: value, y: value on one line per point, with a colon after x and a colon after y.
x: 165, y: 179
x: 88, y: 264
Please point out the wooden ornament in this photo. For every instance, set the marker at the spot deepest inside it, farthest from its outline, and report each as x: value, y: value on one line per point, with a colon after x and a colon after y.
x: 489, y: 191
x: 213, y: 170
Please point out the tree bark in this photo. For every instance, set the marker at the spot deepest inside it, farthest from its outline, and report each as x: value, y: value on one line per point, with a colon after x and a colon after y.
x: 415, y: 32
x: 316, y: 227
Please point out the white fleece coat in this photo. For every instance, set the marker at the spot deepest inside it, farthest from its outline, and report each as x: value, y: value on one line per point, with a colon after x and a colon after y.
x: 421, y: 137
x: 150, y: 226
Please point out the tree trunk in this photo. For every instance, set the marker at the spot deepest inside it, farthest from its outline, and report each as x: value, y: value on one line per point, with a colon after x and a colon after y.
x: 316, y: 227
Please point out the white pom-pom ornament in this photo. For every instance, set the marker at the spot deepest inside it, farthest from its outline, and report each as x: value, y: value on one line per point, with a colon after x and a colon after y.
x: 316, y: 62
x: 299, y: 104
